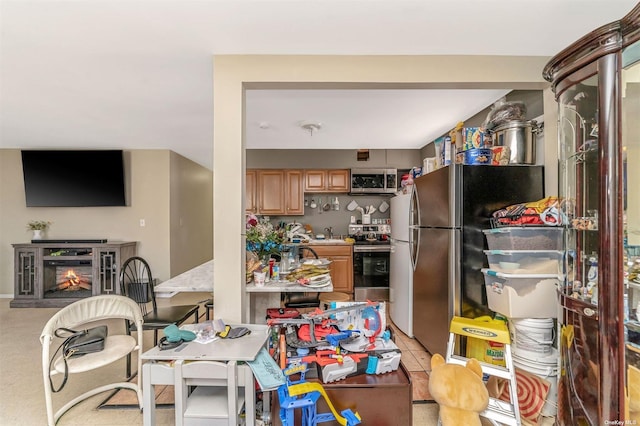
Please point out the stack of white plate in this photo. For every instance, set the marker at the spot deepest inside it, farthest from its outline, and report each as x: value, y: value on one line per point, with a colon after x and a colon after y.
x: 319, y: 281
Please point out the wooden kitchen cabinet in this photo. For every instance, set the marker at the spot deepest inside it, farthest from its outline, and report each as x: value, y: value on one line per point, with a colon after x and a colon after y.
x: 294, y: 201
x: 274, y: 192
x: 341, y: 256
x: 331, y: 180
x: 251, y: 192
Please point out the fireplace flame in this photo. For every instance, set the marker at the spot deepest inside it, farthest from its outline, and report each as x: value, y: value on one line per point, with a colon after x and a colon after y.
x: 72, y: 278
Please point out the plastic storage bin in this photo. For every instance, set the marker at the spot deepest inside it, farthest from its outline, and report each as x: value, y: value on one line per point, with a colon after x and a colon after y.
x: 522, y: 295
x: 525, y: 261
x: 524, y: 238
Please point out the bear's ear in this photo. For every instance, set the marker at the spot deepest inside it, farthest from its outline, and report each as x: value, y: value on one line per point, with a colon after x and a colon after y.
x: 474, y: 366
x: 436, y: 361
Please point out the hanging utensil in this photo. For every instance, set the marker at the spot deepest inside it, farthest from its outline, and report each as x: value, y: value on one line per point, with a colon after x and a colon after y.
x: 352, y: 205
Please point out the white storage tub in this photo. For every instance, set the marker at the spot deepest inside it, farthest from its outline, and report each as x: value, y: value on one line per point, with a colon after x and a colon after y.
x: 522, y: 295
x: 524, y: 238
x: 525, y: 261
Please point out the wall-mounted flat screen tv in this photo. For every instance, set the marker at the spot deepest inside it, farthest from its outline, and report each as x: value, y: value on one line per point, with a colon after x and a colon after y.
x: 74, y: 178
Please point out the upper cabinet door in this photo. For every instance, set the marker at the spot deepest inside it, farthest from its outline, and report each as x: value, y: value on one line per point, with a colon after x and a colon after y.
x: 271, y: 194
x: 315, y: 180
x: 338, y: 180
x: 251, y: 196
x: 294, y: 193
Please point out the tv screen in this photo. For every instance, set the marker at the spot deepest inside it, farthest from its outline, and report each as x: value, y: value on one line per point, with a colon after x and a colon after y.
x: 63, y: 178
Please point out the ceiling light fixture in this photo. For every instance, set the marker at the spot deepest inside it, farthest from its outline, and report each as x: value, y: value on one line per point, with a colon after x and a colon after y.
x: 311, y: 126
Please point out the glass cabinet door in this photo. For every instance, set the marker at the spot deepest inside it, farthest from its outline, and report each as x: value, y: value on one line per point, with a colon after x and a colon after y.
x: 579, y: 187
x: 630, y: 85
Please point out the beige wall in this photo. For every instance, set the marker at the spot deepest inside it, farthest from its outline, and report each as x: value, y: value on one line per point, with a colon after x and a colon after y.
x: 191, y: 220
x: 234, y: 73
x: 331, y: 158
x: 148, y: 183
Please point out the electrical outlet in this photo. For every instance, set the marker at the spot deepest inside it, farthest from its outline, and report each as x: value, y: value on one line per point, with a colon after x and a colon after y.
x: 142, y: 223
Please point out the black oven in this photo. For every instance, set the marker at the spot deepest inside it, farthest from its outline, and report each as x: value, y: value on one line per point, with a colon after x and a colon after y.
x: 371, y: 271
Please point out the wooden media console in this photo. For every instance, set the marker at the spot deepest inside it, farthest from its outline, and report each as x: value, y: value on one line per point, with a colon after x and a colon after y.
x: 54, y: 274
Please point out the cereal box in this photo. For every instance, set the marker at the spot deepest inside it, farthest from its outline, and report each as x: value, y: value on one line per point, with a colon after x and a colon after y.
x: 474, y: 137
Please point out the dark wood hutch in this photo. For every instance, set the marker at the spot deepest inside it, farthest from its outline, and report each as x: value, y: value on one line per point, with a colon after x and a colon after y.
x: 596, y: 81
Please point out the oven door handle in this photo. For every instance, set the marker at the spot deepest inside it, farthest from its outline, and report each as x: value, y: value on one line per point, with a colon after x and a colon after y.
x: 372, y: 249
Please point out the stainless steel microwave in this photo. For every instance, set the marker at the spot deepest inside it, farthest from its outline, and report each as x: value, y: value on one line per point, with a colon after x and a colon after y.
x: 374, y: 181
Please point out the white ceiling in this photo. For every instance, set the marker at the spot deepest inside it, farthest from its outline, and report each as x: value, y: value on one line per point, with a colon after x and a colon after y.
x: 138, y: 73
x: 355, y: 119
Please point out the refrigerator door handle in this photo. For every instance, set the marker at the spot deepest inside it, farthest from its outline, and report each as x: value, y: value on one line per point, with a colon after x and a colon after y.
x: 414, y: 243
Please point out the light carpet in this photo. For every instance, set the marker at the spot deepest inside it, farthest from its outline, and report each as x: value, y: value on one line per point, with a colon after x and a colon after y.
x: 126, y: 398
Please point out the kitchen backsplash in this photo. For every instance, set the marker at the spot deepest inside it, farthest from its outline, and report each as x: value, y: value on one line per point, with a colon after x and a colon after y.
x: 337, y: 219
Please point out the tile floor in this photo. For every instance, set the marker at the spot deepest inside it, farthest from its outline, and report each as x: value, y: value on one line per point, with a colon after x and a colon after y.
x: 22, y: 394
x: 417, y: 361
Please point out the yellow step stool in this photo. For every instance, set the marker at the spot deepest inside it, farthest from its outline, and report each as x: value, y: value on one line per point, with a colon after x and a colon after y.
x: 498, y: 411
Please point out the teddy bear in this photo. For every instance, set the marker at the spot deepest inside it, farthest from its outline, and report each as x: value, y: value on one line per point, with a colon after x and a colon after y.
x: 459, y: 391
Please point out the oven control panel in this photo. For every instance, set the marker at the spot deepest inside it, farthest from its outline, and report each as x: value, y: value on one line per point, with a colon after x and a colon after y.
x: 381, y: 229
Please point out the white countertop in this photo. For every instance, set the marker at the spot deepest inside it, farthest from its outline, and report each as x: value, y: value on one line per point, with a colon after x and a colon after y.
x: 198, y: 279
x: 287, y: 287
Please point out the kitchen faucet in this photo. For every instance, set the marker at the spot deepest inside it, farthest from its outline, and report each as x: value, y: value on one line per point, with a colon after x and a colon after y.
x: 329, y: 231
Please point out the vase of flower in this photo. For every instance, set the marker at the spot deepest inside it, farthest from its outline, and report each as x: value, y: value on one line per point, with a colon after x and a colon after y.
x: 38, y: 227
x: 262, y: 238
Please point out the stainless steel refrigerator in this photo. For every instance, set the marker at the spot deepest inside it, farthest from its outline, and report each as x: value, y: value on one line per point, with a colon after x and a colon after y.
x: 449, y: 209
x: 401, y: 277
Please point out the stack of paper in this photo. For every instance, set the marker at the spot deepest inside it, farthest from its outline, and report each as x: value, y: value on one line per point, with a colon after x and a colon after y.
x: 266, y: 371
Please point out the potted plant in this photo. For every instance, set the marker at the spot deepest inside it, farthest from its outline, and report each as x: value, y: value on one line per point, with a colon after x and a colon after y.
x: 38, y: 226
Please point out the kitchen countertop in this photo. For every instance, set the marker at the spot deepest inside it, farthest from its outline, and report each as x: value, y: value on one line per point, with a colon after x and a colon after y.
x: 199, y: 279
x: 269, y: 296
x: 286, y: 287
x: 332, y: 241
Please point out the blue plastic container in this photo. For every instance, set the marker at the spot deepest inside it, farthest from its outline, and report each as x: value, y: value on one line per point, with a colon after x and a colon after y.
x: 478, y: 156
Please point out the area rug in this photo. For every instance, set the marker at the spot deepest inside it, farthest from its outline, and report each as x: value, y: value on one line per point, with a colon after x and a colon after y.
x: 126, y: 398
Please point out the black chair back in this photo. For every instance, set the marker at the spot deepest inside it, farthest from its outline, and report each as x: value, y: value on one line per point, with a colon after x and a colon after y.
x: 305, y: 251
x: 136, y: 282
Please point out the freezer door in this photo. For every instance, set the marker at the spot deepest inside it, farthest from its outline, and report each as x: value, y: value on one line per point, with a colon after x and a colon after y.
x: 433, y: 202
x: 432, y: 295
x: 400, y: 217
x: 401, y: 287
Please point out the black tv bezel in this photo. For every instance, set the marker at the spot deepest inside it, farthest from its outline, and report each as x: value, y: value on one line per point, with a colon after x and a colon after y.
x: 97, y: 157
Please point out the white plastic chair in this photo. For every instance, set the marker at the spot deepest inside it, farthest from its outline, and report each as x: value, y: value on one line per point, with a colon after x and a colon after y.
x: 117, y: 346
x: 215, y: 400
